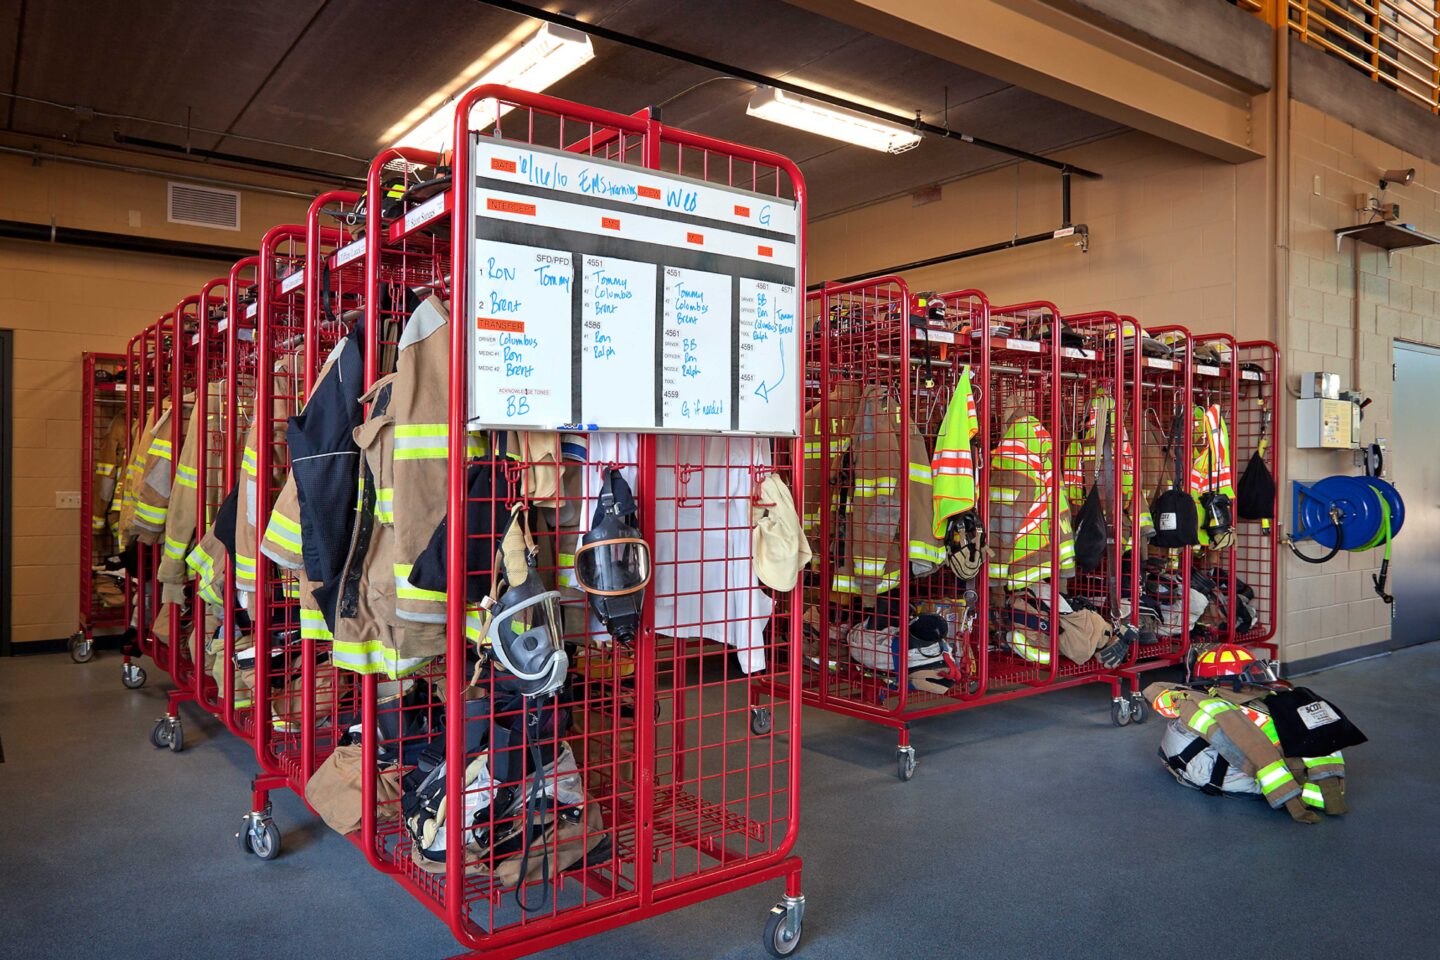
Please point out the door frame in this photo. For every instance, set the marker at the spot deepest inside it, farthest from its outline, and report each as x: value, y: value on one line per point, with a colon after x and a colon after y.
x: 7, y: 380
x: 1423, y: 349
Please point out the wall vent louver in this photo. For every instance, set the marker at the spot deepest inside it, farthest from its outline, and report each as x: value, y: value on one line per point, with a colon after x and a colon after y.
x: 203, y: 206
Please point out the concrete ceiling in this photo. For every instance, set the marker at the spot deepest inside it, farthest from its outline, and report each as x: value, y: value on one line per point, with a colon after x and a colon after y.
x: 334, y: 75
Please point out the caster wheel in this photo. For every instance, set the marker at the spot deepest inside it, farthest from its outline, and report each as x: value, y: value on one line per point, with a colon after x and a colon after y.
x: 761, y: 723
x: 133, y: 676
x: 160, y: 734
x: 177, y: 736
x: 782, y: 935
x: 263, y: 840
x: 906, y: 763
x: 1120, y: 712
x: 82, y: 649
x: 1139, y: 709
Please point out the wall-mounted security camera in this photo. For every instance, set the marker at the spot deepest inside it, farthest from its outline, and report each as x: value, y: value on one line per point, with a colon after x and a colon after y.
x: 1403, y: 177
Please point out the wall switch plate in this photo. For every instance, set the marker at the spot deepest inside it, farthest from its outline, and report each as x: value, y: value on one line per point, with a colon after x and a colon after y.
x: 67, y: 499
x: 1317, y: 187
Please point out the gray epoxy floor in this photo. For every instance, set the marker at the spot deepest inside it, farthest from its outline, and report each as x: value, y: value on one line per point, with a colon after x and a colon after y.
x: 1032, y: 829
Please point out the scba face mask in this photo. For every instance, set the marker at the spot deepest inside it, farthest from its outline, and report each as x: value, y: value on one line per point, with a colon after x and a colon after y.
x: 612, y: 564
x: 525, y: 632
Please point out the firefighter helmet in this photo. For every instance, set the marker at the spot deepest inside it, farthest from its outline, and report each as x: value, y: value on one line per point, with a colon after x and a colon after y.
x: 1230, y: 661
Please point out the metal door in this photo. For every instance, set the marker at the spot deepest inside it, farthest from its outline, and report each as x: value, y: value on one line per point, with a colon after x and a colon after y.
x: 1415, y: 569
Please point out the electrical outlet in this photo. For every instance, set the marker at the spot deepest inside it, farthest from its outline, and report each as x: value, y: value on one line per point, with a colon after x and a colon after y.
x: 1317, y: 188
x: 67, y: 499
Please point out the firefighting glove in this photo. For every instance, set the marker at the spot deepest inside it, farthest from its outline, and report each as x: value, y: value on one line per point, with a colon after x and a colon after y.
x: 1115, y: 654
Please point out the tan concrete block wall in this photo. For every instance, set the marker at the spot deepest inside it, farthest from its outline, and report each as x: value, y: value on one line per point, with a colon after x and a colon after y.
x: 1176, y: 237
x: 1332, y: 607
x: 62, y: 301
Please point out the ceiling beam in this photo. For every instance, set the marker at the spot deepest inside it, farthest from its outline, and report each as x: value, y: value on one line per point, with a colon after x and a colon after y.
x: 1031, y: 44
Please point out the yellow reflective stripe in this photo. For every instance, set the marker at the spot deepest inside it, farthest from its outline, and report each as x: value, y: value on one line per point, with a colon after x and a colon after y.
x: 565, y: 576
x: 283, y: 531
x: 404, y: 590
x: 249, y: 461
x: 147, y: 512
x: 474, y: 623
x: 422, y: 430
x: 421, y: 453
x: 370, y: 656
x: 160, y: 448
x: 313, y: 626
x: 1273, y: 776
x: 1325, y: 761
x: 876, y: 487
x: 1032, y: 652
x: 814, y: 451
x: 105, y: 469
x: 920, y: 550
x: 921, y: 473
x: 174, y: 549
x: 385, y: 504
x: 244, y: 567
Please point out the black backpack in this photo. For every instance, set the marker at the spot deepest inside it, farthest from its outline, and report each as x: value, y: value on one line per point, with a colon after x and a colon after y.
x: 1177, y: 522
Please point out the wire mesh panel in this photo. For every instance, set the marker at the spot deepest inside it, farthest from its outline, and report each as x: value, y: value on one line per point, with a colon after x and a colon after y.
x: 286, y: 361
x: 236, y: 654
x: 210, y: 686
x: 1257, y: 541
x: 646, y: 780
x: 1166, y: 426
x: 1213, y: 472
x: 103, y: 456
x: 1110, y: 510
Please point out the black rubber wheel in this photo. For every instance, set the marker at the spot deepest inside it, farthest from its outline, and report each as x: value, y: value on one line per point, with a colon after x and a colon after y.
x: 265, y: 843
x: 905, y: 765
x: 243, y: 836
x: 132, y: 676
x: 177, y: 737
x: 82, y: 649
x: 1120, y: 712
x: 761, y: 723
x: 778, y: 941
x: 1139, y: 709
x: 160, y: 735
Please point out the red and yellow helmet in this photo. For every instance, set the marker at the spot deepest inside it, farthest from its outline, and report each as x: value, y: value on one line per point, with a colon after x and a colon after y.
x: 1226, y: 660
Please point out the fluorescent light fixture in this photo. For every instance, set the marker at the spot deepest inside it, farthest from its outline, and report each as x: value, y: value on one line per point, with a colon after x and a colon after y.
x: 813, y: 116
x: 550, y: 55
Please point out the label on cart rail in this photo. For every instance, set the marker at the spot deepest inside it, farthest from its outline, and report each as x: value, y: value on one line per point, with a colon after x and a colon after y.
x: 679, y: 299
x: 349, y: 252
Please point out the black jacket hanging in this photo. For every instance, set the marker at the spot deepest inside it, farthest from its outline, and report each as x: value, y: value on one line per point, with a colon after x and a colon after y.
x: 1177, y: 522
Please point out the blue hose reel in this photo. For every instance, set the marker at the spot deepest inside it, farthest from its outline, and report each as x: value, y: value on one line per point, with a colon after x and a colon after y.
x: 1348, y: 513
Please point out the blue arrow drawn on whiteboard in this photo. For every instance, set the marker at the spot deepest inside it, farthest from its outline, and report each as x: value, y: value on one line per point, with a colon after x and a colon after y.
x: 762, y: 391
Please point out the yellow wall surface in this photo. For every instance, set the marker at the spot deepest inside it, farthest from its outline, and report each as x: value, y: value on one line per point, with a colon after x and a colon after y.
x: 62, y: 301
x: 1175, y: 237
x: 1181, y: 238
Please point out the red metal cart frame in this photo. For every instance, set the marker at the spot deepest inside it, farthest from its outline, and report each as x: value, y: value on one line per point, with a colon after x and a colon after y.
x: 102, y: 406
x: 1257, y: 546
x: 686, y: 823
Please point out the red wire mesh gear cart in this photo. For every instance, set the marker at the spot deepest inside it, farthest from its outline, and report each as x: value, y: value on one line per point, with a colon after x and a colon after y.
x: 1257, y: 545
x: 661, y: 786
x: 888, y: 381
x: 104, y: 604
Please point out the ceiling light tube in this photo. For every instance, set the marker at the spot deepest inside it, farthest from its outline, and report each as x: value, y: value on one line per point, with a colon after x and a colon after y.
x: 813, y: 116
x: 550, y: 55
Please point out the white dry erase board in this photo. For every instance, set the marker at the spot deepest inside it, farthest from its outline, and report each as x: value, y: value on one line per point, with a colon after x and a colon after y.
x: 609, y: 297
